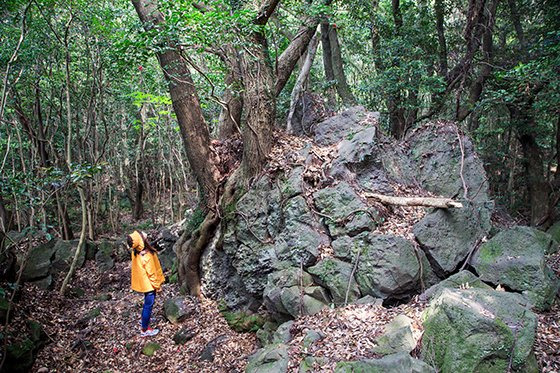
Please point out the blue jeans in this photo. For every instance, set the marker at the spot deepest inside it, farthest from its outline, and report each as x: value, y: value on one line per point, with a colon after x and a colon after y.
x: 149, y: 299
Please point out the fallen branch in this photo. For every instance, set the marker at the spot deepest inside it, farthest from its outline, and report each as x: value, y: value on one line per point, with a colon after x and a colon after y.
x: 442, y: 203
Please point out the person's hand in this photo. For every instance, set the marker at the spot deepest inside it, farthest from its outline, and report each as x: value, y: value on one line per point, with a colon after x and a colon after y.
x: 158, y: 290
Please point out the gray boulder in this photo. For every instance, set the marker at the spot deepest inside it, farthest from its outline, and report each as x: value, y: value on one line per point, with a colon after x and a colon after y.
x: 398, y: 336
x: 479, y: 330
x: 336, y: 276
x: 463, y: 279
x: 270, y: 359
x: 397, y: 363
x: 64, y: 255
x: 104, y: 255
x: 516, y: 258
x: 177, y: 309
x: 362, y: 157
x: 43, y: 283
x: 343, y: 125
x: 348, y: 214
x: 39, y: 261
x: 291, y: 292
x: 388, y: 266
x: 435, y: 153
x: 448, y: 235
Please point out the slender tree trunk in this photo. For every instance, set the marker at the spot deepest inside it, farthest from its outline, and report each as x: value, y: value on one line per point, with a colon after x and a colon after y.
x: 302, y: 78
x: 327, y: 65
x: 68, y: 106
x: 229, y: 122
x: 338, y: 69
x: 516, y: 20
x: 296, y: 49
x: 439, y: 8
x: 81, y: 243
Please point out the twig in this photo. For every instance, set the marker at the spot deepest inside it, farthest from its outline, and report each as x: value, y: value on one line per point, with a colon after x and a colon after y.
x: 465, y: 188
x: 472, y: 251
x: 415, y: 201
x: 354, y: 268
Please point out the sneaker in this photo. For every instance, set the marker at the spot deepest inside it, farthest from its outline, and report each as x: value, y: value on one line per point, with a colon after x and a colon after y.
x: 149, y: 332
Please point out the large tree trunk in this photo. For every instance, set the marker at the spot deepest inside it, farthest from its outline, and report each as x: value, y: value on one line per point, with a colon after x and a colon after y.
x: 194, y: 131
x: 260, y: 103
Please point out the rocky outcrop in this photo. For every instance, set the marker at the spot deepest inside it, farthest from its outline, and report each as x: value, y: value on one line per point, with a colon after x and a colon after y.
x: 516, y: 259
x: 554, y: 231
x: 343, y: 211
x: 53, y: 258
x: 479, y: 330
x: 463, y: 279
x: 297, y: 243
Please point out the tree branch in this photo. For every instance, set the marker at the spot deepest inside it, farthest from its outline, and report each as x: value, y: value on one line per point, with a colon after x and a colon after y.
x: 442, y: 203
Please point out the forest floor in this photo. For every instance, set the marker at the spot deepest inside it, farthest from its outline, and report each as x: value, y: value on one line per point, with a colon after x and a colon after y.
x: 110, y: 342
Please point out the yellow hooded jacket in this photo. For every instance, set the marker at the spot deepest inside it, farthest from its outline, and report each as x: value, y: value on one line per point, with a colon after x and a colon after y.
x: 146, y: 272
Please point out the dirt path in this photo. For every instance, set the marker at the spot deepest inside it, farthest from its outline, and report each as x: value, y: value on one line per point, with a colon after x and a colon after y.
x: 110, y: 341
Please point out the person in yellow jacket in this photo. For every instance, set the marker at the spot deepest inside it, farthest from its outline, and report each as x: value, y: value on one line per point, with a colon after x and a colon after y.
x: 146, y: 276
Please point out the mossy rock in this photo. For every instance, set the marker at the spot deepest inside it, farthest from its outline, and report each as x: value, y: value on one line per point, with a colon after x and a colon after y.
x: 397, y: 337
x: 397, y: 363
x: 39, y: 262
x: 554, y: 232
x: 104, y: 255
x: 183, y: 335
x: 150, y: 348
x: 241, y: 321
x: 64, y: 255
x: 336, y: 275
x: 37, y: 333
x: 270, y: 359
x: 77, y: 292
x: 479, y: 330
x: 516, y: 258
